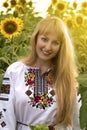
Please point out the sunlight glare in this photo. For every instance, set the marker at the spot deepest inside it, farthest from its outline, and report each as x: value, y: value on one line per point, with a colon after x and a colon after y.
x: 40, y: 5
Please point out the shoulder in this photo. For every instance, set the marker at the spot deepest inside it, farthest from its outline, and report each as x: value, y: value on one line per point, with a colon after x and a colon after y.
x: 16, y: 67
x: 14, y: 71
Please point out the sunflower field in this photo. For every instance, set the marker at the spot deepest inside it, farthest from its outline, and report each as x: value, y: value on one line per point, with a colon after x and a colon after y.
x: 17, y: 23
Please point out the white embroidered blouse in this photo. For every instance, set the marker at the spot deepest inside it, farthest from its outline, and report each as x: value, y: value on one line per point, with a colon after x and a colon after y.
x: 27, y: 97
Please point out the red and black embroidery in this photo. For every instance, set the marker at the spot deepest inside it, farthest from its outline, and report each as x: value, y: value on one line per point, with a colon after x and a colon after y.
x: 52, y: 92
x: 5, y: 88
x: 3, y: 124
x: 28, y: 92
x: 38, y: 88
x: 29, y: 77
x: 41, y: 101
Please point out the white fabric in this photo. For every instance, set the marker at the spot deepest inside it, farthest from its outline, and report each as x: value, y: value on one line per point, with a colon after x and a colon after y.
x: 18, y: 108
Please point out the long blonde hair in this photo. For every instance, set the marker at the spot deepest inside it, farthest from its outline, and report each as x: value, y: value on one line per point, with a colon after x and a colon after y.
x: 65, y: 69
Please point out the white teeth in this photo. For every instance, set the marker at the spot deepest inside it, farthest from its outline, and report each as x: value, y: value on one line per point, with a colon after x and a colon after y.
x: 46, y: 52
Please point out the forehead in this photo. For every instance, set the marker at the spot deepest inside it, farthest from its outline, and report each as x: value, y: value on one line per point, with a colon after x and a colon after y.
x: 50, y: 36
x: 50, y: 29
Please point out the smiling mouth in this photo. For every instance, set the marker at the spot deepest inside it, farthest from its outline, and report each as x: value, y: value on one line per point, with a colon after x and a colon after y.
x: 46, y: 52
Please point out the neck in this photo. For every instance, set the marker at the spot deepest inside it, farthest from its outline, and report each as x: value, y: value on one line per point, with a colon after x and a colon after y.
x: 44, y: 66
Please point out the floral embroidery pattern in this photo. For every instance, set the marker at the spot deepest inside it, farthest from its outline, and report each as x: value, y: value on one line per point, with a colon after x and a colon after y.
x: 49, y: 78
x: 38, y: 88
x: 42, y: 101
x: 29, y: 79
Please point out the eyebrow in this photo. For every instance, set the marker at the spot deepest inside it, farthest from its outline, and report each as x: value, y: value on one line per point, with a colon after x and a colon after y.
x: 48, y: 38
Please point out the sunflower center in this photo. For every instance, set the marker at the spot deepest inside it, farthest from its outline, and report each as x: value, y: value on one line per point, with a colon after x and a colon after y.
x: 74, y: 4
x: 54, y: 2
x: 84, y: 4
x: 60, y: 6
x: 10, y: 27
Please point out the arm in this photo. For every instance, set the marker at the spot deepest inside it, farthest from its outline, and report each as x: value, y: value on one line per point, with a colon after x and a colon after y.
x: 7, y: 114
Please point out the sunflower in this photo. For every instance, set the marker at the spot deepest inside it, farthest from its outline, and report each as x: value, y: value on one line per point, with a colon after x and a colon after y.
x: 84, y: 5
x: 61, y: 6
x: 74, y: 5
x: 5, y: 4
x: 13, y: 3
x: 54, y: 2
x: 11, y: 27
x: 79, y: 20
x: 69, y: 22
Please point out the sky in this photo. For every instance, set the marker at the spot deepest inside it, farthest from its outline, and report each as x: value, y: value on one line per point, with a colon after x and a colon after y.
x: 41, y: 5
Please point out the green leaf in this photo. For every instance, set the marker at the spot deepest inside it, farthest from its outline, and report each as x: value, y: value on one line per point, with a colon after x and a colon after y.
x: 39, y: 127
x: 82, y: 79
x: 83, y: 111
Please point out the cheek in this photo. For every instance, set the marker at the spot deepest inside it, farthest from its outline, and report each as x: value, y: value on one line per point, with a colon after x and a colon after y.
x: 38, y: 47
x: 38, y: 44
x: 56, y: 49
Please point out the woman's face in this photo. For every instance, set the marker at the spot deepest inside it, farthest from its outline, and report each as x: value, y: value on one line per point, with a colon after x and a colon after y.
x: 47, y: 47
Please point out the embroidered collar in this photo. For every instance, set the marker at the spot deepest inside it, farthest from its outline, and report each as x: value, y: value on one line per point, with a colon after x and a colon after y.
x: 38, y: 87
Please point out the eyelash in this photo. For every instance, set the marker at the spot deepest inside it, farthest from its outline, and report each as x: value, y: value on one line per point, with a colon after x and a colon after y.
x: 44, y: 39
x: 56, y: 43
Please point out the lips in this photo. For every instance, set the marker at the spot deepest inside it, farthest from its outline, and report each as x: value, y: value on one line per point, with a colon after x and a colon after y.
x: 46, y: 52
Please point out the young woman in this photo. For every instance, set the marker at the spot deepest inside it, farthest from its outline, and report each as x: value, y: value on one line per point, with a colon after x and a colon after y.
x: 41, y: 89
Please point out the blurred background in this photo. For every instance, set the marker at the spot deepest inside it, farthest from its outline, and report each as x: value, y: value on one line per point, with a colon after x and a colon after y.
x: 18, y: 19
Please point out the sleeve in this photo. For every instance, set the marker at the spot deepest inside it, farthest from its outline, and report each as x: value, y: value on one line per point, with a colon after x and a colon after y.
x: 76, y: 123
x: 7, y: 114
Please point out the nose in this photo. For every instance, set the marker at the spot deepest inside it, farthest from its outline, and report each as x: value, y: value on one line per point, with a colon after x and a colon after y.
x: 48, y: 46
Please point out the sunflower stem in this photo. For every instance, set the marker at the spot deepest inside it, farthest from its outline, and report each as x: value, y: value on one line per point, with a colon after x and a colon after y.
x: 12, y: 49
